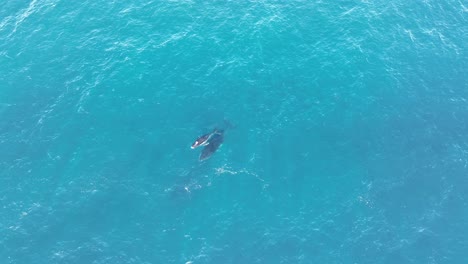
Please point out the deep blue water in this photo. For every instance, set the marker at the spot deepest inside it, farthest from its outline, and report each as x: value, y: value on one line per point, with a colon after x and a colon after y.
x: 350, y: 138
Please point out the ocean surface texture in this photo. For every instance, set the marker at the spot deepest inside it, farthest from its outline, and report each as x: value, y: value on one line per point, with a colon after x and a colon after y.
x: 349, y: 137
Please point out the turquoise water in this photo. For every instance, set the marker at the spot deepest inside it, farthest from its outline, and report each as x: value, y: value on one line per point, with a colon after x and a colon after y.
x: 350, y: 138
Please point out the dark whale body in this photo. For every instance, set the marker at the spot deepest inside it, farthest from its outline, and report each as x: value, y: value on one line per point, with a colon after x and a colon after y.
x: 215, y: 142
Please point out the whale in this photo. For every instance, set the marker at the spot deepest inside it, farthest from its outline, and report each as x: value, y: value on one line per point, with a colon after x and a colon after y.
x: 202, y: 140
x: 211, y: 141
x: 215, y: 141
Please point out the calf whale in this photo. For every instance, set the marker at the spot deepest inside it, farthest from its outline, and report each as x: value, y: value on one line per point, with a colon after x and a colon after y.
x: 202, y: 140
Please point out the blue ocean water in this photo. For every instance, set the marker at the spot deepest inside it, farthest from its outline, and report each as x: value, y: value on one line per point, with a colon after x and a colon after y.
x: 349, y: 145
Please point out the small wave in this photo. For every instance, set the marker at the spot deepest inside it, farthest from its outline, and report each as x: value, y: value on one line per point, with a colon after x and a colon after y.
x: 172, y: 38
x: 25, y: 13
